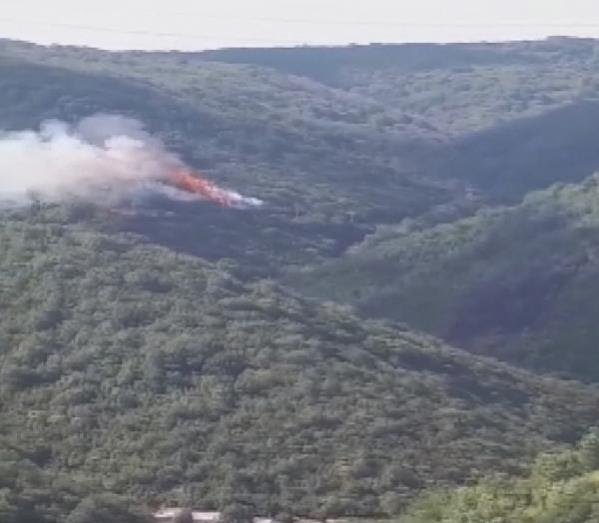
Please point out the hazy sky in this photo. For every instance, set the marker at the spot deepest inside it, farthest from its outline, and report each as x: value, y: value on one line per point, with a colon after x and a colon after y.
x: 200, y: 24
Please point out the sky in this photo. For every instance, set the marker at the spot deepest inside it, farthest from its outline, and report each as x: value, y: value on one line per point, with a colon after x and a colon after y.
x: 200, y: 24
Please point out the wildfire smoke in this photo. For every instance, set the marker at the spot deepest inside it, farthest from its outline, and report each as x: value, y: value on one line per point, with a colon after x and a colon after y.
x: 106, y: 159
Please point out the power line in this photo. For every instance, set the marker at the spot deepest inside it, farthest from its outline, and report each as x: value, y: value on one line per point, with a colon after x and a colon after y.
x: 141, y: 32
x: 206, y: 37
x: 387, y: 24
x: 337, y: 22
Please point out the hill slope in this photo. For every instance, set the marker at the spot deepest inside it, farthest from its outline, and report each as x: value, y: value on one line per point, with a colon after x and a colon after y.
x: 521, y: 115
x: 517, y: 282
x: 291, y: 140
x: 169, y: 378
x: 31, y: 494
x: 562, y: 487
x: 164, y: 378
x: 328, y: 164
x: 461, y: 88
x: 392, y: 123
x: 371, y: 135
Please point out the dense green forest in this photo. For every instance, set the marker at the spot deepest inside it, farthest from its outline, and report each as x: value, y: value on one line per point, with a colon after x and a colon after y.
x: 169, y: 380
x: 521, y: 115
x: 517, y: 282
x: 31, y: 494
x: 561, y: 488
x: 177, y: 353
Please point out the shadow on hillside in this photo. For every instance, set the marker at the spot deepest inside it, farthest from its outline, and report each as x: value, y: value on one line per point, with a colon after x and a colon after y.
x: 532, y: 153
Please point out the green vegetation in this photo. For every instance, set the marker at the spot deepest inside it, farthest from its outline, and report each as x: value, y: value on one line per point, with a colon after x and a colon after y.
x: 522, y: 115
x: 316, y: 155
x: 166, y: 379
x: 561, y: 488
x: 302, y: 146
x: 384, y: 129
x: 30, y: 494
x: 458, y: 88
x: 518, y: 282
x: 151, y: 354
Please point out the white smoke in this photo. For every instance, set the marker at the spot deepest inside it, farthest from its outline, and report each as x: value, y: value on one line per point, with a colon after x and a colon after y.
x: 103, y: 158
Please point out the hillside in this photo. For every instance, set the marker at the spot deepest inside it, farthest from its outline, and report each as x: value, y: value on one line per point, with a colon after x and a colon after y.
x: 462, y: 88
x: 389, y: 130
x: 167, y: 351
x: 519, y: 283
x: 531, y: 153
x: 162, y: 377
x: 293, y: 141
x: 33, y: 495
x: 520, y: 115
x: 323, y: 161
x: 561, y: 488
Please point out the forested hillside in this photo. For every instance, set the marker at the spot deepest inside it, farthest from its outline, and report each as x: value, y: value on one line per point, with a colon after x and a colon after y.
x: 167, y: 379
x: 166, y: 351
x: 560, y: 488
x: 32, y: 494
x: 295, y: 141
x: 460, y: 87
x: 518, y: 282
x: 503, y: 118
x: 317, y: 156
x: 522, y: 114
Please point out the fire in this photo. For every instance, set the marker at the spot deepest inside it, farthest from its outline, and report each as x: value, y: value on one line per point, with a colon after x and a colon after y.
x: 191, y: 181
x: 186, y: 181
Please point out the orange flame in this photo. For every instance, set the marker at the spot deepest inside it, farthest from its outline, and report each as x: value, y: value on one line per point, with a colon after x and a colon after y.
x: 194, y: 183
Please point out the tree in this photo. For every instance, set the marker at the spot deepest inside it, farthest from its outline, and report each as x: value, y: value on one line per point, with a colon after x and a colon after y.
x: 105, y: 509
x: 589, y: 451
x: 237, y: 513
x: 184, y: 516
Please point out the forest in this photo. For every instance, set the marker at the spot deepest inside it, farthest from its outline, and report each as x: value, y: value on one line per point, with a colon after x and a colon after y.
x: 404, y: 331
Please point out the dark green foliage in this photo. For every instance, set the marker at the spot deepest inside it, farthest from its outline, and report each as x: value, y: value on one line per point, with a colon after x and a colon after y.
x: 30, y: 494
x: 294, y: 142
x: 132, y: 369
x: 458, y: 87
x: 237, y: 513
x: 167, y: 379
x: 530, y: 153
x: 104, y: 509
x: 519, y: 283
x: 562, y: 488
x: 523, y: 114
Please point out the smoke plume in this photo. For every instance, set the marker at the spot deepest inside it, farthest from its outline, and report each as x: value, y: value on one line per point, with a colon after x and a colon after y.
x: 104, y: 158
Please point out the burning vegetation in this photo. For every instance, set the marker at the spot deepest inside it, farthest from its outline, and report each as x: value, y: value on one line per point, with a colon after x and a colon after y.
x: 184, y: 180
x: 105, y: 159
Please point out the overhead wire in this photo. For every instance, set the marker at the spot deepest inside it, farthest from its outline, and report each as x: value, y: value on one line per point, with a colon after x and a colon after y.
x: 339, y: 23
